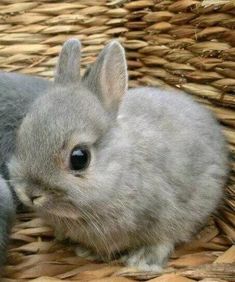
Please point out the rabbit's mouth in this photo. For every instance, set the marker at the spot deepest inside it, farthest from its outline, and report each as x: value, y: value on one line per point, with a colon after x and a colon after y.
x: 48, y: 204
x: 59, y: 209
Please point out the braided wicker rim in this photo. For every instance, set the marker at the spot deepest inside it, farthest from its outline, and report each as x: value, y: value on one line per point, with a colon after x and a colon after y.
x: 189, y: 44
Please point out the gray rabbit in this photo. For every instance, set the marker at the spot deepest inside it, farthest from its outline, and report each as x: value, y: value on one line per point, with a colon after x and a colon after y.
x: 17, y: 92
x: 127, y: 174
x: 7, y: 210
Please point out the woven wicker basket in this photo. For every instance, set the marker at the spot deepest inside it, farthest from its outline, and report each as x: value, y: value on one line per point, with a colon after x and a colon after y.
x: 189, y: 44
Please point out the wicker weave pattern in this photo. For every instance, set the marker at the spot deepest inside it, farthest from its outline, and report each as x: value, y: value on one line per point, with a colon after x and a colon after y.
x: 189, y: 44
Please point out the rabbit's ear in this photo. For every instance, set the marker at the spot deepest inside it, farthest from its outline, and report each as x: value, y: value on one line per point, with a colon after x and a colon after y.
x: 68, y: 66
x: 107, y: 77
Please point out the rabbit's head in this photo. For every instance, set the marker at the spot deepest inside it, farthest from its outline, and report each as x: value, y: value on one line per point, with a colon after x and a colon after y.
x: 64, y: 162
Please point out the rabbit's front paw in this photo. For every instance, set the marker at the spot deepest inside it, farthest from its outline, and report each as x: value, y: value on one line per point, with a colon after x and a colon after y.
x: 149, y: 258
x: 86, y: 254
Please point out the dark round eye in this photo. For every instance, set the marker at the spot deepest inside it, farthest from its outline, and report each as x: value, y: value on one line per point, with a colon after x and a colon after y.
x: 79, y: 158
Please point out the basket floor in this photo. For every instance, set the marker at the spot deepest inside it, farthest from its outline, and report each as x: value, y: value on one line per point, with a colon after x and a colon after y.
x: 34, y: 255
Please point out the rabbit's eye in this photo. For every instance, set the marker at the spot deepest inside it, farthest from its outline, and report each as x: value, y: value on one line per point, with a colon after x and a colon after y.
x: 79, y: 158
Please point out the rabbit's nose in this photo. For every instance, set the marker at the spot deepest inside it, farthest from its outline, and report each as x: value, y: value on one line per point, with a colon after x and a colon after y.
x: 35, y: 197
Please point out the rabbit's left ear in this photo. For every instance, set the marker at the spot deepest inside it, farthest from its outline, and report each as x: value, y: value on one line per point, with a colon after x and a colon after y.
x: 107, y: 77
x: 68, y: 66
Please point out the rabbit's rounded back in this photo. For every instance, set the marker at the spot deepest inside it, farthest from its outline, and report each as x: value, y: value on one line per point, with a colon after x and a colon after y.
x: 182, y: 155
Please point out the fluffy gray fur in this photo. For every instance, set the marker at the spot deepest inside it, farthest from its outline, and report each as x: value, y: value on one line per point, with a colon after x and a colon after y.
x: 7, y: 210
x: 17, y: 92
x: 157, y: 169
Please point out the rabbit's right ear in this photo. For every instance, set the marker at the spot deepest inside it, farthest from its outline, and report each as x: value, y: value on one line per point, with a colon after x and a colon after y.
x: 68, y: 66
x: 107, y: 77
